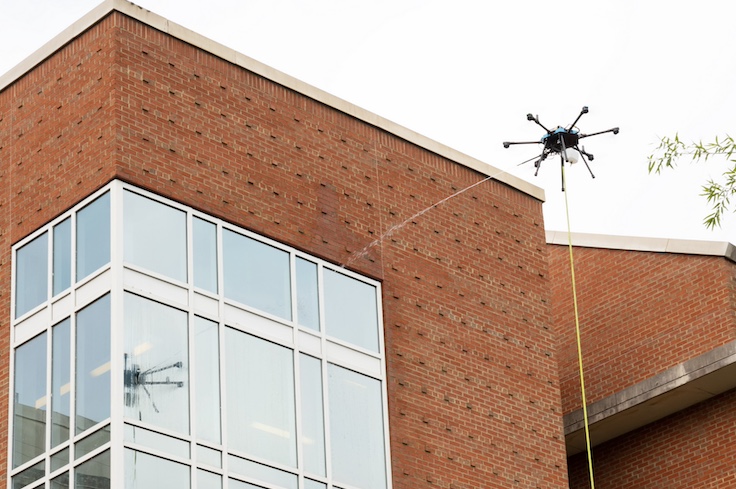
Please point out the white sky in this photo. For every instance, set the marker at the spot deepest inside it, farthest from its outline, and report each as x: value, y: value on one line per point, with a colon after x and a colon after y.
x: 466, y: 73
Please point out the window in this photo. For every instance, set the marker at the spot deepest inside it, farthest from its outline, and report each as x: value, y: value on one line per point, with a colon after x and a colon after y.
x: 222, y: 357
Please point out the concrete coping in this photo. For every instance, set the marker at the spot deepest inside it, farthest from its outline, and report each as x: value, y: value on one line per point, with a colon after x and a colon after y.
x: 157, y: 22
x: 656, y: 245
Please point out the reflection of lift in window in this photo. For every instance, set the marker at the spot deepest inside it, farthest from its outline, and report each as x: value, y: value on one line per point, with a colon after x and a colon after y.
x: 134, y: 377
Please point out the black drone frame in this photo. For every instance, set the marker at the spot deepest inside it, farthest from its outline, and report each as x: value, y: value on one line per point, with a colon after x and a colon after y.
x: 558, y: 141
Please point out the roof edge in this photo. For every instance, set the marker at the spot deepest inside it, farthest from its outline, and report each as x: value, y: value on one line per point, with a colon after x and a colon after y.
x: 656, y: 245
x: 182, y: 33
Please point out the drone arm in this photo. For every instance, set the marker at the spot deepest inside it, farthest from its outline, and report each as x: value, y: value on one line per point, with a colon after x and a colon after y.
x: 613, y: 130
x: 583, y: 111
x: 534, y: 118
x: 506, y: 144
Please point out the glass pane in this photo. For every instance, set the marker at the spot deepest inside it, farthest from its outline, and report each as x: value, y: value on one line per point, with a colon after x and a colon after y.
x: 310, y: 484
x: 260, y: 398
x: 357, y: 448
x: 155, y: 236
x: 204, y: 238
x: 313, y: 431
x: 94, y: 473
x: 156, y: 364
x: 91, y: 442
x: 93, y: 364
x: 236, y: 484
x: 307, y: 299
x: 208, y: 480
x: 29, y: 475
x: 29, y: 406
x: 59, y: 459
x: 93, y: 236
x: 351, y: 312
x: 256, y: 274
x: 60, y: 382
x: 61, y: 481
x: 62, y: 256
x: 209, y: 456
x: 157, y: 441
x: 207, y: 356
x: 143, y: 471
x: 31, y: 275
x: 262, y: 472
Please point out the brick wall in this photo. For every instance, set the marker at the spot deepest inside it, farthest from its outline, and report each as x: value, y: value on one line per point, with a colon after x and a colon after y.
x: 691, y: 449
x: 472, y: 375
x: 640, y: 314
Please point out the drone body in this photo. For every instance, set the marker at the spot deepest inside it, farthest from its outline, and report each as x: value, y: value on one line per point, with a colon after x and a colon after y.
x: 560, y: 141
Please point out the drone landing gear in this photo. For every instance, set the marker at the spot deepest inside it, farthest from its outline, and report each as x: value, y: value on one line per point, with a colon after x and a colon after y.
x: 562, y: 141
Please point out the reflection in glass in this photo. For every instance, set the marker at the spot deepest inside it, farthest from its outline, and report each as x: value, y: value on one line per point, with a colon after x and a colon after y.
x: 260, y: 398
x: 31, y: 275
x: 29, y: 475
x: 91, y: 442
x: 93, y: 236
x: 256, y: 274
x: 208, y: 480
x: 248, y: 468
x: 157, y: 441
x: 94, y: 473
x: 209, y: 456
x: 313, y: 431
x: 29, y: 406
x: 93, y: 364
x: 143, y: 471
x: 62, y: 254
x: 204, y: 244
x: 207, y: 356
x: 351, y: 312
x: 155, y: 236
x: 156, y: 364
x: 60, y: 382
x: 60, y: 481
x: 358, y: 453
x: 310, y: 484
x: 307, y: 298
x: 59, y: 459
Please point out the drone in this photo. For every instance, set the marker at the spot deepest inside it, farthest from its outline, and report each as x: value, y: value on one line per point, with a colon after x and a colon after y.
x: 561, y: 141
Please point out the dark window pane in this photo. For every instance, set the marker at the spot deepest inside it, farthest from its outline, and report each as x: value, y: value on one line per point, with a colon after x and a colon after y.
x: 94, y: 473
x: 29, y: 407
x: 60, y: 481
x: 93, y: 364
x: 93, y: 236
x: 62, y: 256
x: 256, y: 274
x: 32, y: 275
x: 29, y: 475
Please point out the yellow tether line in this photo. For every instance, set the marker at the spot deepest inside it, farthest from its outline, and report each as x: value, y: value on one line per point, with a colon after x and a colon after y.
x: 577, y: 336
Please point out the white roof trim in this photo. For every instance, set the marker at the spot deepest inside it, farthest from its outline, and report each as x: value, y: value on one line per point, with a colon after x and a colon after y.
x: 657, y: 245
x: 228, y: 54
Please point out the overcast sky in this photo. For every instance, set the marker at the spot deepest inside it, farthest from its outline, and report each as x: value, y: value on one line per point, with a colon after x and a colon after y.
x: 466, y: 73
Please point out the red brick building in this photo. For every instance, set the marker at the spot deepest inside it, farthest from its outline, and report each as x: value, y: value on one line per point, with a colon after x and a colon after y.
x: 659, y: 346
x: 214, y: 275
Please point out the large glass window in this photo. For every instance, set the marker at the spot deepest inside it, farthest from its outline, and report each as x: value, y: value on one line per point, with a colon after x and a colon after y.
x: 93, y: 364
x: 256, y: 274
x: 31, y: 272
x: 239, y: 362
x: 29, y: 401
x: 260, y: 398
x: 93, y: 236
x: 155, y: 236
x: 156, y: 364
x: 351, y: 312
